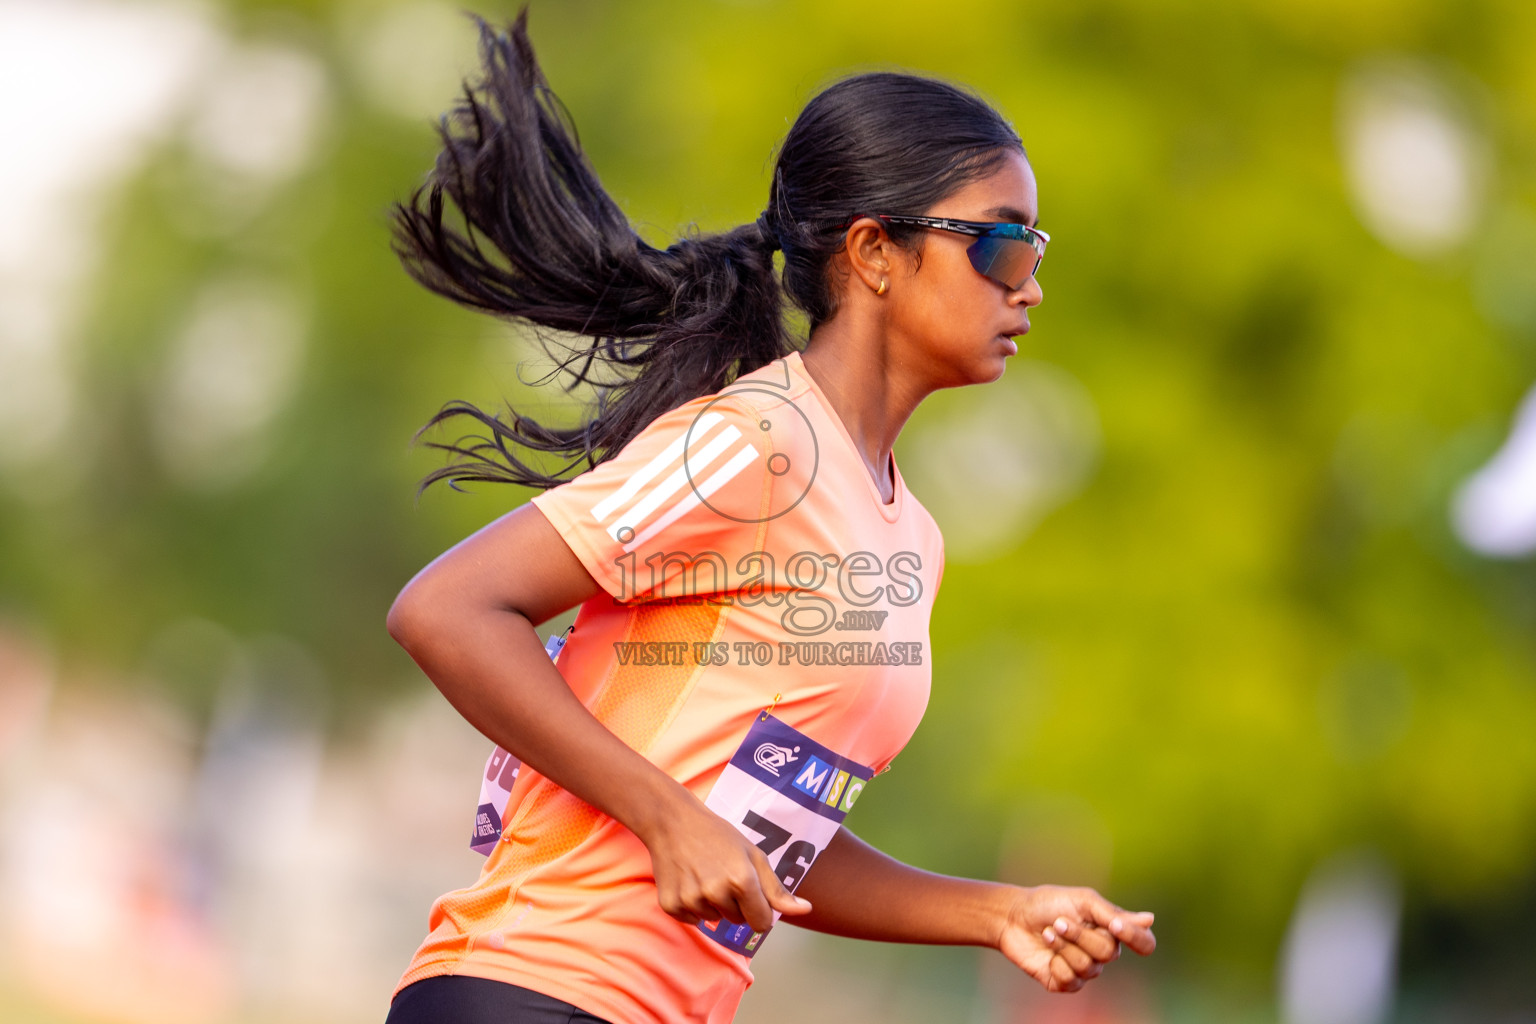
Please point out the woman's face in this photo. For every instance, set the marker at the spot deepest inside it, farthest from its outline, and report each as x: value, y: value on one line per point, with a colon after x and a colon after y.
x: 954, y: 324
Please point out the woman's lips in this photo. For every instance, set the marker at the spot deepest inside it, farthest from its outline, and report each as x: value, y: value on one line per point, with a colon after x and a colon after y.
x: 1012, y: 333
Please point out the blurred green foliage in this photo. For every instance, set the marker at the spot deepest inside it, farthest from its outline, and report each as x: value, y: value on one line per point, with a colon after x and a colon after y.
x: 1250, y: 641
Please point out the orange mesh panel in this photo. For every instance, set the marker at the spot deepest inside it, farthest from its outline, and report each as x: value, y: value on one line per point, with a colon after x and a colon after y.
x: 554, y: 823
x: 639, y: 700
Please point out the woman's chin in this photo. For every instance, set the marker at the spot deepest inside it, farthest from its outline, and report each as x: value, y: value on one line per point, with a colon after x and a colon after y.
x: 985, y: 372
x: 980, y: 367
x: 999, y: 361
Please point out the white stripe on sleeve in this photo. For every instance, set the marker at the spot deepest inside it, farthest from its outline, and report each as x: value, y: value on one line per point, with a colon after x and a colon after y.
x: 741, y: 460
x: 672, y: 484
x: 648, y: 472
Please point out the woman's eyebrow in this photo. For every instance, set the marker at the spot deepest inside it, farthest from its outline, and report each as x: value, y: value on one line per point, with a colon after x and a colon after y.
x: 1013, y: 214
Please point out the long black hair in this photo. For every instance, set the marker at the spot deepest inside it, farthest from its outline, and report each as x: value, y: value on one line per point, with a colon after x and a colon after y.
x: 532, y: 235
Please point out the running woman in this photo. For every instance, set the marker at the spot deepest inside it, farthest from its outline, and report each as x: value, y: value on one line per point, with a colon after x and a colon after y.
x: 753, y: 578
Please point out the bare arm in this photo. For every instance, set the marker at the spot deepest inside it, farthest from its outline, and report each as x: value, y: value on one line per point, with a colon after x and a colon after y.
x: 468, y: 620
x: 1060, y: 936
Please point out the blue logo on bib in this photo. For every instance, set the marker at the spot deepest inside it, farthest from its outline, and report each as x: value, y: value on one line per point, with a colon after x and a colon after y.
x: 813, y: 776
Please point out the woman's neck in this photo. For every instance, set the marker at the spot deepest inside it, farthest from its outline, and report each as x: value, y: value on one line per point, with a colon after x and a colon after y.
x: 868, y: 391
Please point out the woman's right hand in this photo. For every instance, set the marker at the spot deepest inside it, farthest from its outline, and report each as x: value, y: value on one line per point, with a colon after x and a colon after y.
x: 706, y: 870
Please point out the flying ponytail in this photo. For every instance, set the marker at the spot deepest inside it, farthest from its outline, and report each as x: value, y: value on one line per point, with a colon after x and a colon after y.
x: 543, y: 242
x: 532, y: 235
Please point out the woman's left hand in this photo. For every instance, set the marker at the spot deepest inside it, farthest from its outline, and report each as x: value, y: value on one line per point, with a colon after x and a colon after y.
x: 1062, y: 937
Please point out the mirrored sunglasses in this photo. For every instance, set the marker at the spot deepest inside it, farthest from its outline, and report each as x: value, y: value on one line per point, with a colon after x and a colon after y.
x: 1008, y: 253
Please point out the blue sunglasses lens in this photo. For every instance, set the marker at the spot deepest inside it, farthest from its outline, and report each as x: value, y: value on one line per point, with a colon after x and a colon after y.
x: 1008, y: 261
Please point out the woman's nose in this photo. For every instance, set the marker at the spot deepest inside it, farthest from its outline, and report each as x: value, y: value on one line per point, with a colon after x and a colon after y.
x: 1029, y: 294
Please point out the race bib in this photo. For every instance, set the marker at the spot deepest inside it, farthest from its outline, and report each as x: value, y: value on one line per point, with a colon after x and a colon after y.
x: 500, y: 773
x: 787, y: 794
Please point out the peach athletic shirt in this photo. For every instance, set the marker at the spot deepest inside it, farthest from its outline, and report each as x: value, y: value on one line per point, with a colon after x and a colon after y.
x: 746, y: 557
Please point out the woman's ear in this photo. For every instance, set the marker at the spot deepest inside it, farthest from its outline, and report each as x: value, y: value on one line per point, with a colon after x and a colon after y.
x: 869, y: 252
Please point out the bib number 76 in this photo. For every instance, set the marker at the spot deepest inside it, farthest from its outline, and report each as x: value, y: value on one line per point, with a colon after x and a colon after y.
x: 797, y: 857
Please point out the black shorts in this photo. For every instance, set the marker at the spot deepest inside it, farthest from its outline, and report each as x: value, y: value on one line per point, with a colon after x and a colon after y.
x: 459, y: 999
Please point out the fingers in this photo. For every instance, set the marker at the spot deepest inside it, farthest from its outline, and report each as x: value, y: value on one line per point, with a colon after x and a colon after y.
x: 1063, y: 977
x: 708, y: 901
x: 1076, y: 959
x: 779, y: 898
x: 748, y: 896
x: 1092, y: 940
x: 1133, y: 929
x: 1081, y: 964
x: 701, y: 908
x: 755, y: 909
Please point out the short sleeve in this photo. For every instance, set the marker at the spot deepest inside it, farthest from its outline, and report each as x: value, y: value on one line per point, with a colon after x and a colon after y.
x: 678, y: 505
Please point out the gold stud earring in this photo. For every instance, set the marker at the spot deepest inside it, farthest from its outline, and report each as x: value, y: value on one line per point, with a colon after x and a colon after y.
x: 883, y: 286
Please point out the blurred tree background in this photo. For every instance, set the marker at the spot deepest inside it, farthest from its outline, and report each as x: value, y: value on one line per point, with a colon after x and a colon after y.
x: 1220, y: 607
